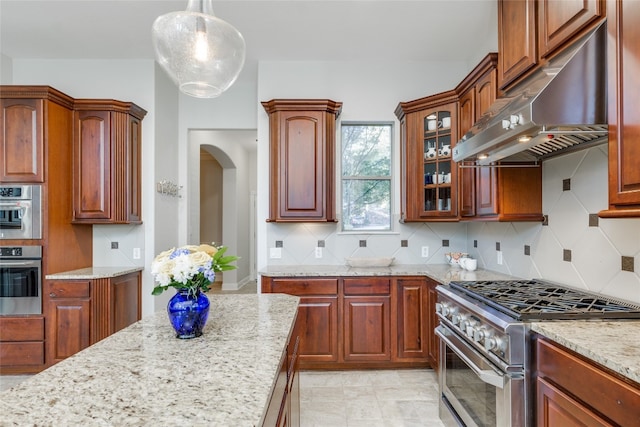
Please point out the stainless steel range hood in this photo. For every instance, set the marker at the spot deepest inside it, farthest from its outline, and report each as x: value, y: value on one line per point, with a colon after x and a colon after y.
x: 562, y: 106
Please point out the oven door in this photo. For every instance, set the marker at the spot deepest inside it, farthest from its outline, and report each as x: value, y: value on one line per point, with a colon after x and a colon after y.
x: 475, y: 392
x: 17, y: 221
x: 20, y: 286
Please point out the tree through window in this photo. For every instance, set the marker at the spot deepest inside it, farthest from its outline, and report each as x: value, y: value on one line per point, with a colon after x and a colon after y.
x: 366, y: 176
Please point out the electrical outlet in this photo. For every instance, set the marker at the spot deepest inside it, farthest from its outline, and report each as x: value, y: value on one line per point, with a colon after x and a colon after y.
x: 136, y: 253
x: 425, y: 251
x: 318, y: 252
x: 499, y: 257
x: 275, y: 252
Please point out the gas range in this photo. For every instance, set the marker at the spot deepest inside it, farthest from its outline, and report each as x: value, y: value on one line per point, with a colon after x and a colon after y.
x: 484, y: 340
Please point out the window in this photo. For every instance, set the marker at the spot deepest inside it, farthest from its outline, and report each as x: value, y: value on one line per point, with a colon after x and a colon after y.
x: 366, y: 176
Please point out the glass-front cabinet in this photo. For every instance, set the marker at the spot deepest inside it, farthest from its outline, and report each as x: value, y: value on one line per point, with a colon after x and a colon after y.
x: 429, y: 176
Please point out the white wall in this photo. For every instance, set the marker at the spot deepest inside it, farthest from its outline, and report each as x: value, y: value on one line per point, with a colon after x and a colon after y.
x: 6, y: 70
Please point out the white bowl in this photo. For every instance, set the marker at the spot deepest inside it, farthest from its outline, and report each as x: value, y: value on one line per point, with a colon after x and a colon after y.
x: 370, y: 262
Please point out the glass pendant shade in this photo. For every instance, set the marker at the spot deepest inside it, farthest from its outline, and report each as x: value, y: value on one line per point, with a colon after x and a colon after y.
x: 202, y: 54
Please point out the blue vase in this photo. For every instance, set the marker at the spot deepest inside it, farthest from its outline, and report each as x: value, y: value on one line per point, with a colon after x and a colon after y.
x: 188, y: 313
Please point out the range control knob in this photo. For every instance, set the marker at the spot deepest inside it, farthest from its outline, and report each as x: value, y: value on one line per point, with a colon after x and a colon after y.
x: 492, y: 343
x: 439, y: 307
x: 459, y: 320
x: 470, y: 328
x: 479, y: 334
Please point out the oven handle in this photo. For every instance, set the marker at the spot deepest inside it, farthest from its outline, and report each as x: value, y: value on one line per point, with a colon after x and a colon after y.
x: 486, y: 375
x: 4, y: 263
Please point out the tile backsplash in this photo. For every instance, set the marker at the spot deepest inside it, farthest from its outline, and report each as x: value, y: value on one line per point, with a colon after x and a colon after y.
x: 574, y: 247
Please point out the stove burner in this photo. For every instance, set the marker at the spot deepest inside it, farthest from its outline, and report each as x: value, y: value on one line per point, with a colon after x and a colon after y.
x: 538, y: 300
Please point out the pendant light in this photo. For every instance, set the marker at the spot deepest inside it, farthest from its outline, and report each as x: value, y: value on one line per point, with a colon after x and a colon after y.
x: 201, y: 53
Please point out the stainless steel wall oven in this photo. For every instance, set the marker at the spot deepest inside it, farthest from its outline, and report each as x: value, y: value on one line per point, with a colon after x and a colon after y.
x: 20, y: 280
x: 20, y: 212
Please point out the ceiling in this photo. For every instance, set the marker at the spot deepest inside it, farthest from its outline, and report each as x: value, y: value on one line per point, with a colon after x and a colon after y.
x: 395, y: 30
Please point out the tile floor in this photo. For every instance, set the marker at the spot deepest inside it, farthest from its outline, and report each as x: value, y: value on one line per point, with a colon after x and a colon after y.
x: 393, y: 398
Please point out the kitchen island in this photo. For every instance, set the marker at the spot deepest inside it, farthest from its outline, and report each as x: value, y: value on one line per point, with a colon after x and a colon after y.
x: 144, y: 375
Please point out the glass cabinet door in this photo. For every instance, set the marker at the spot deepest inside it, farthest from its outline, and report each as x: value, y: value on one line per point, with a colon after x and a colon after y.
x: 438, y: 174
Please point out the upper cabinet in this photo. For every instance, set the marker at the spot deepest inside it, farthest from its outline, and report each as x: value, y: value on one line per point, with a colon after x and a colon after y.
x: 530, y: 31
x: 429, y: 177
x: 33, y: 117
x: 302, y: 159
x: 623, y: 51
x: 107, y: 162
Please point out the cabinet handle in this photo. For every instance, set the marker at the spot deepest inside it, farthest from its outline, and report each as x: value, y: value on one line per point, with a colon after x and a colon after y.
x: 53, y: 295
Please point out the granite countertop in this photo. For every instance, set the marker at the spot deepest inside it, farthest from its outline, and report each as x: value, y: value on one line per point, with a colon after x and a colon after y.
x: 143, y: 375
x: 442, y: 273
x: 93, y: 273
x: 613, y: 344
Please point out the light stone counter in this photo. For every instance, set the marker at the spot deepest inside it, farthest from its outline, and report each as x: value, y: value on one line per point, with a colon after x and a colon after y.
x: 144, y: 376
x: 614, y: 344
x: 91, y: 273
x: 442, y: 273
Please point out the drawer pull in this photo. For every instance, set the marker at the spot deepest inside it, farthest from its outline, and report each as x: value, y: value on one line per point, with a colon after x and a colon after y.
x: 53, y: 295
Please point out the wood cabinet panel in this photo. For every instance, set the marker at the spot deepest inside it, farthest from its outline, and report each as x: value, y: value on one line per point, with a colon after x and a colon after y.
x: 68, y: 329
x: 517, y: 45
x: 466, y: 119
x: 433, y: 322
x: 107, y: 162
x: 556, y: 408
x: 317, y: 327
x: 413, y: 319
x: 126, y: 304
x: 623, y: 51
x: 597, y: 390
x: 303, y: 286
x: 22, y: 328
x: 559, y: 21
x: 22, y: 143
x: 302, y: 159
x: 366, y: 286
x: 21, y: 343
x: 367, y: 328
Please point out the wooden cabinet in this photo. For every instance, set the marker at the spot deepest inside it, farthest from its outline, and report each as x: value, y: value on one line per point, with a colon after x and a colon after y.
x: 107, y: 162
x: 367, y: 319
x: 82, y: 312
x: 574, y: 391
x: 530, y: 31
x: 360, y: 322
x: 477, y: 92
x: 283, y: 409
x: 623, y: 78
x: 413, y: 318
x: 302, y: 159
x: 22, y: 143
x: 317, y: 321
x: 429, y: 177
x: 68, y: 315
x: 21, y: 344
x: 433, y: 346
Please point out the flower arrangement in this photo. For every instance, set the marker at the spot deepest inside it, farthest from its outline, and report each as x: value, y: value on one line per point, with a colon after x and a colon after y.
x: 190, y: 267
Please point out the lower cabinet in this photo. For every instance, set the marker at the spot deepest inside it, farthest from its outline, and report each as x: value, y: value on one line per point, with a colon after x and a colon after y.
x: 21, y: 344
x: 82, y: 312
x: 574, y: 391
x: 360, y: 322
x: 283, y: 409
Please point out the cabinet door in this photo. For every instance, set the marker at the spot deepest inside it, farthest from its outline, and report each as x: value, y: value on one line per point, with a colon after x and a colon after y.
x: 487, y: 191
x: 432, y: 177
x: 517, y: 45
x: 133, y: 164
x: 434, y: 342
x: 68, y: 316
x: 317, y: 327
x: 466, y: 119
x: 125, y: 301
x: 413, y: 319
x: 559, y: 21
x: 22, y: 142
x: 367, y: 328
x: 92, y: 165
x: 556, y: 408
x: 624, y: 107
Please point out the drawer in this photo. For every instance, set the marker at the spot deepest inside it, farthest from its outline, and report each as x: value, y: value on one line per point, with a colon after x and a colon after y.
x: 68, y: 289
x: 22, y: 328
x: 367, y: 286
x: 21, y: 353
x: 303, y: 286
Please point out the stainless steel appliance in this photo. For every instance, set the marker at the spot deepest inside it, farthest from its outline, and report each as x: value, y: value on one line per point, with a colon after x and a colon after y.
x: 485, y: 360
x: 20, y: 280
x: 20, y: 212
x: 560, y: 107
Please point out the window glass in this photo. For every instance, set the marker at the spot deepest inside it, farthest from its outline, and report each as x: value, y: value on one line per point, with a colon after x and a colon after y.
x: 366, y: 176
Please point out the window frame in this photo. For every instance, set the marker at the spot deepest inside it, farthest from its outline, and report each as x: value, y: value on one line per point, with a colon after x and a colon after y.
x: 390, y: 178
